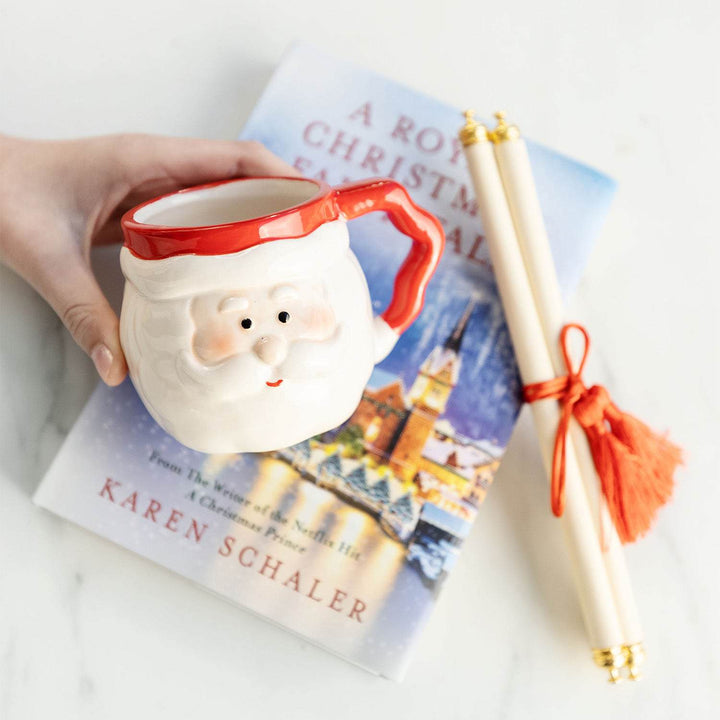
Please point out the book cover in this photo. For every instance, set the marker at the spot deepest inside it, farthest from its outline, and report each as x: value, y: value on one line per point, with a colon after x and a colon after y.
x: 346, y: 538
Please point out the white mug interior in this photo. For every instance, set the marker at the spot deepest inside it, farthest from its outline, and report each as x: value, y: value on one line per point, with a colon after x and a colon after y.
x: 237, y: 201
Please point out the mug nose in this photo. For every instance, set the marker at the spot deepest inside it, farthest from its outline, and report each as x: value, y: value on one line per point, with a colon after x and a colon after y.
x: 271, y: 349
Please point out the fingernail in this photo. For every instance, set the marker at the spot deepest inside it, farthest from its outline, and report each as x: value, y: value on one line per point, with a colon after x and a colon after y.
x: 103, y: 359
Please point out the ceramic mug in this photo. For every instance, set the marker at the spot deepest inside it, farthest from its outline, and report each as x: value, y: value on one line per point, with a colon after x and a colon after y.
x: 246, y: 321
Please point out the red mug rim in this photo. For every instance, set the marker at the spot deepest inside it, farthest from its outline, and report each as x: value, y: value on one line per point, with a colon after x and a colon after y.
x: 155, y: 241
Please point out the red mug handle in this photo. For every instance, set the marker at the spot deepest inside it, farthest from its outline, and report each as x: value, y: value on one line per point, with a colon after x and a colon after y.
x: 428, y: 239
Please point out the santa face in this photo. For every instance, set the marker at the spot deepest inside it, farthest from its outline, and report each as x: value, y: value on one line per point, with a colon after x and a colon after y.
x: 253, y: 368
x: 250, y: 339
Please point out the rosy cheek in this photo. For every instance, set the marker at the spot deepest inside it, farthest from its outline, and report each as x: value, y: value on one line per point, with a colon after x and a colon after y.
x: 214, y: 345
x: 319, y: 322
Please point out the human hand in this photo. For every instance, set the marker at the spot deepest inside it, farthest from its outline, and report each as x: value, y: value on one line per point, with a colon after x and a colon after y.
x: 58, y: 198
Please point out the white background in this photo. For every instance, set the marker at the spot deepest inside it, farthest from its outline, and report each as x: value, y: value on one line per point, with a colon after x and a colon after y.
x: 88, y: 630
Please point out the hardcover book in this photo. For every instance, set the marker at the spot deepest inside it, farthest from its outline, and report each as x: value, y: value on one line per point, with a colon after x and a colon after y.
x: 347, y: 537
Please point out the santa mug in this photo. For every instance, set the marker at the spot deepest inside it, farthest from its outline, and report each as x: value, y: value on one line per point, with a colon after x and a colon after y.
x: 246, y: 321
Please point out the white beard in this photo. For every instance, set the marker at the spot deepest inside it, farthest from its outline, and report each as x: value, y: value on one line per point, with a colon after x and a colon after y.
x: 227, y: 407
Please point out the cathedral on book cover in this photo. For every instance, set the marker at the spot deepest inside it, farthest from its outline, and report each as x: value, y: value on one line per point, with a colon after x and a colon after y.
x: 403, y: 429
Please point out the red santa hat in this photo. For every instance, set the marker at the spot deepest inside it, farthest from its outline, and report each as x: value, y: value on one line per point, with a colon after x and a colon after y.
x: 231, y: 234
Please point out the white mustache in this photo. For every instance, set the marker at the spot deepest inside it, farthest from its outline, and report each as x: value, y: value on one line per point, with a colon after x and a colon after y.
x: 245, y: 374
x: 308, y: 359
x: 234, y: 378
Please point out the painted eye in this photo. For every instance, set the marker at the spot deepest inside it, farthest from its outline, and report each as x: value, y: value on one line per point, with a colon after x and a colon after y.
x: 246, y: 323
x: 284, y: 316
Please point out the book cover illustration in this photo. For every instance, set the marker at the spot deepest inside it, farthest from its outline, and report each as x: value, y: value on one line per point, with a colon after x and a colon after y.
x: 345, y: 538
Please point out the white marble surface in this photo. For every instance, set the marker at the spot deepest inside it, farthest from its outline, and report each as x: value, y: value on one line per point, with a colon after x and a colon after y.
x: 88, y: 630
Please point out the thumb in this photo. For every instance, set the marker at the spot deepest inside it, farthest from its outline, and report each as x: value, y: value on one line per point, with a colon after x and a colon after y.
x: 76, y: 297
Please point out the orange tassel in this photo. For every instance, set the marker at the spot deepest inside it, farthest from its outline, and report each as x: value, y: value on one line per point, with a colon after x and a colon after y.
x: 635, y: 465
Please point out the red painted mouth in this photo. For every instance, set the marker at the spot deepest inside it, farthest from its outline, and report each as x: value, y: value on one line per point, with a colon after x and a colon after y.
x: 273, y: 384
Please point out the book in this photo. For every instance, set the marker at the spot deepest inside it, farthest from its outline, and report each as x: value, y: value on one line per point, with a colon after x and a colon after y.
x: 345, y: 538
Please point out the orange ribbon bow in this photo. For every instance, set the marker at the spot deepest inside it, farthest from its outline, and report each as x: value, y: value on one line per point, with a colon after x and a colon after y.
x: 635, y: 465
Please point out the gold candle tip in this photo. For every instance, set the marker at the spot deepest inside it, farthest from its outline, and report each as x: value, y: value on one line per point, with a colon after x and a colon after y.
x: 612, y: 659
x: 503, y: 131
x: 472, y: 132
x: 634, y: 658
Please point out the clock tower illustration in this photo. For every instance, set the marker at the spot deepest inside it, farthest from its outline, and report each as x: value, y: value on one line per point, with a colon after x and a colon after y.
x: 428, y: 397
x: 396, y: 427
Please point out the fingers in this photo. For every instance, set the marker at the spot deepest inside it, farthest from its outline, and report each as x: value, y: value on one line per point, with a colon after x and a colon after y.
x: 258, y: 160
x: 153, y: 165
x: 150, y: 159
x: 76, y: 297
